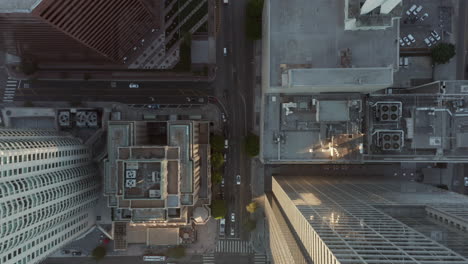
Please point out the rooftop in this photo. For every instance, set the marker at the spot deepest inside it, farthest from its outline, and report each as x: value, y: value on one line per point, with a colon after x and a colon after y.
x: 312, y: 34
x: 18, y: 6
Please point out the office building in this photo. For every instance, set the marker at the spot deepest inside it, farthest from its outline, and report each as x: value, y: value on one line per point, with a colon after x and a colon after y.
x: 47, y: 193
x: 157, y: 180
x: 326, y: 220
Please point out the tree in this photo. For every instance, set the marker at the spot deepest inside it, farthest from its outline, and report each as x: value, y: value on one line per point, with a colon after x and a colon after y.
x: 176, y: 252
x: 253, y: 23
x: 216, y: 177
x: 442, y: 53
x: 217, y: 160
x: 218, y: 209
x: 251, y: 207
x: 217, y: 143
x: 99, y: 253
x: 252, y: 144
x: 27, y: 66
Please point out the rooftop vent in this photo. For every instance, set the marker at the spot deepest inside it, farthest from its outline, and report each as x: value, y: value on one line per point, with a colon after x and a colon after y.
x: 130, y: 183
x: 391, y: 140
x: 130, y: 174
x: 388, y: 112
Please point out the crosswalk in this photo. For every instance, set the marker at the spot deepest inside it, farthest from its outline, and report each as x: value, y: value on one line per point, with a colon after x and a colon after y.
x: 260, y: 259
x: 209, y: 259
x: 233, y: 246
x: 10, y: 90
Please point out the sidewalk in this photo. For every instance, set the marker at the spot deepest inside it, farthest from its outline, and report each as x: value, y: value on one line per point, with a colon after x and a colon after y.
x: 257, y: 236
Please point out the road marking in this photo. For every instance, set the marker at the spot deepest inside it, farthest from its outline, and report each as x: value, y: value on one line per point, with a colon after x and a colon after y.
x: 260, y: 259
x: 209, y: 259
x: 233, y: 246
x: 10, y: 90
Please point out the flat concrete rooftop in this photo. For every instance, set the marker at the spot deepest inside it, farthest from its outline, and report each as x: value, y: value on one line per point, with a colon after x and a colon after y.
x: 312, y: 32
x: 18, y: 6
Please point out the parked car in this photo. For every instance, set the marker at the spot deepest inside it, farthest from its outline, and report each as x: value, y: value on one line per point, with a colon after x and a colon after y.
x: 411, y: 38
x: 428, y: 43
x: 407, y: 41
x: 225, y: 51
x: 402, y: 43
x: 424, y: 16
x: 134, y: 85
x: 405, y: 62
x: 466, y: 181
x: 226, y: 144
x: 233, y: 217
x: 432, y: 39
x: 410, y: 11
x: 435, y: 35
x: 222, y: 183
x: 222, y: 224
x: 415, y: 12
x: 238, y: 179
x: 76, y: 253
x: 65, y: 251
x: 232, y: 231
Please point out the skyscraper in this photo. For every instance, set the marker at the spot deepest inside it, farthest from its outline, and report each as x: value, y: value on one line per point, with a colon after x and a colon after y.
x: 342, y: 220
x: 47, y: 193
x: 87, y: 31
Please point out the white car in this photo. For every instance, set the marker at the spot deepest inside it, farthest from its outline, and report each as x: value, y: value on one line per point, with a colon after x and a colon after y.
x: 432, y: 39
x: 226, y: 144
x: 435, y: 35
x: 410, y: 11
x: 232, y: 231
x: 222, y: 183
x: 233, y: 217
x: 428, y: 43
x: 238, y: 179
x: 411, y: 38
x: 424, y: 16
x: 134, y: 85
x: 225, y: 51
x: 415, y: 12
x: 407, y: 41
x: 466, y: 181
x: 402, y: 43
x: 223, y: 116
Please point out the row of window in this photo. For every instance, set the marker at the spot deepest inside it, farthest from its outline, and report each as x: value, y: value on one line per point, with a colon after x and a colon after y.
x: 30, y: 183
x: 16, y: 144
x: 18, y: 158
x: 27, y: 234
x: 52, y: 165
x: 46, y: 237
x: 19, y: 205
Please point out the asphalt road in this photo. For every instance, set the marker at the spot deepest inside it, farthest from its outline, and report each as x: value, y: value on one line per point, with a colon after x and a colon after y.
x: 235, y: 84
x: 73, y: 91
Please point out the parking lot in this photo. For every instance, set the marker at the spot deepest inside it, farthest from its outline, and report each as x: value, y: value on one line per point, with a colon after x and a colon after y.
x: 426, y: 16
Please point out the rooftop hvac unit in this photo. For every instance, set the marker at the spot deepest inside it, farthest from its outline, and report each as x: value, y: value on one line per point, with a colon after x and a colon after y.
x: 391, y: 140
x: 130, y: 174
x: 388, y: 112
x: 154, y: 193
x: 130, y: 183
x: 81, y: 118
x: 92, y: 119
x: 64, y: 118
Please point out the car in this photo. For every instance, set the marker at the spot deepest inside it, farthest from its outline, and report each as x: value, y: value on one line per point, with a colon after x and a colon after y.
x: 226, y: 144
x: 222, y: 183
x: 225, y: 51
x: 402, y: 43
x: 424, y: 16
x: 232, y: 231
x: 233, y: 217
x: 134, y: 85
x: 411, y: 38
x: 222, y: 225
x: 76, y: 253
x: 65, y: 251
x: 407, y: 41
x: 410, y: 11
x: 428, y: 43
x: 405, y: 62
x: 435, y: 35
x: 223, y: 116
x: 466, y: 181
x: 238, y: 179
x: 417, y: 10
x: 432, y: 39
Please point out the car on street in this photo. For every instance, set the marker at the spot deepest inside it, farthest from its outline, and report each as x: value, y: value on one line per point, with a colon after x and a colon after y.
x: 232, y: 231
x: 402, y: 43
x: 466, y: 181
x: 134, y: 85
x: 233, y: 217
x: 222, y: 225
x: 225, y: 51
x: 65, y: 251
x: 238, y: 179
x: 411, y: 38
x: 435, y: 35
x: 222, y: 183
x: 226, y: 144
x: 223, y: 116
x: 76, y: 253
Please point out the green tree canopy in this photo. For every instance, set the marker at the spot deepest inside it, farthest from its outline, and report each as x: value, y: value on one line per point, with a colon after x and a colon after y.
x: 216, y: 177
x: 442, y: 53
x: 218, y: 209
x: 28, y: 66
x: 217, y: 160
x: 251, y: 207
x: 99, y: 253
x: 217, y: 143
x: 253, y: 23
x: 176, y: 252
x: 252, y: 144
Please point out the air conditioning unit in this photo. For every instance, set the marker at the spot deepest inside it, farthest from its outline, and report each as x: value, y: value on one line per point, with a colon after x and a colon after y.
x: 154, y: 193
x: 64, y: 118
x: 130, y: 183
x: 130, y: 174
x: 388, y: 112
x: 391, y: 140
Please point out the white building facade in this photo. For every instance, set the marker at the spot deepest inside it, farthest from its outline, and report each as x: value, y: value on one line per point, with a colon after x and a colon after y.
x: 48, y: 190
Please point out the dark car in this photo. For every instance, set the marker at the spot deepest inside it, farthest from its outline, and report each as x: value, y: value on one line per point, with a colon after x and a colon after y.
x: 76, y: 253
